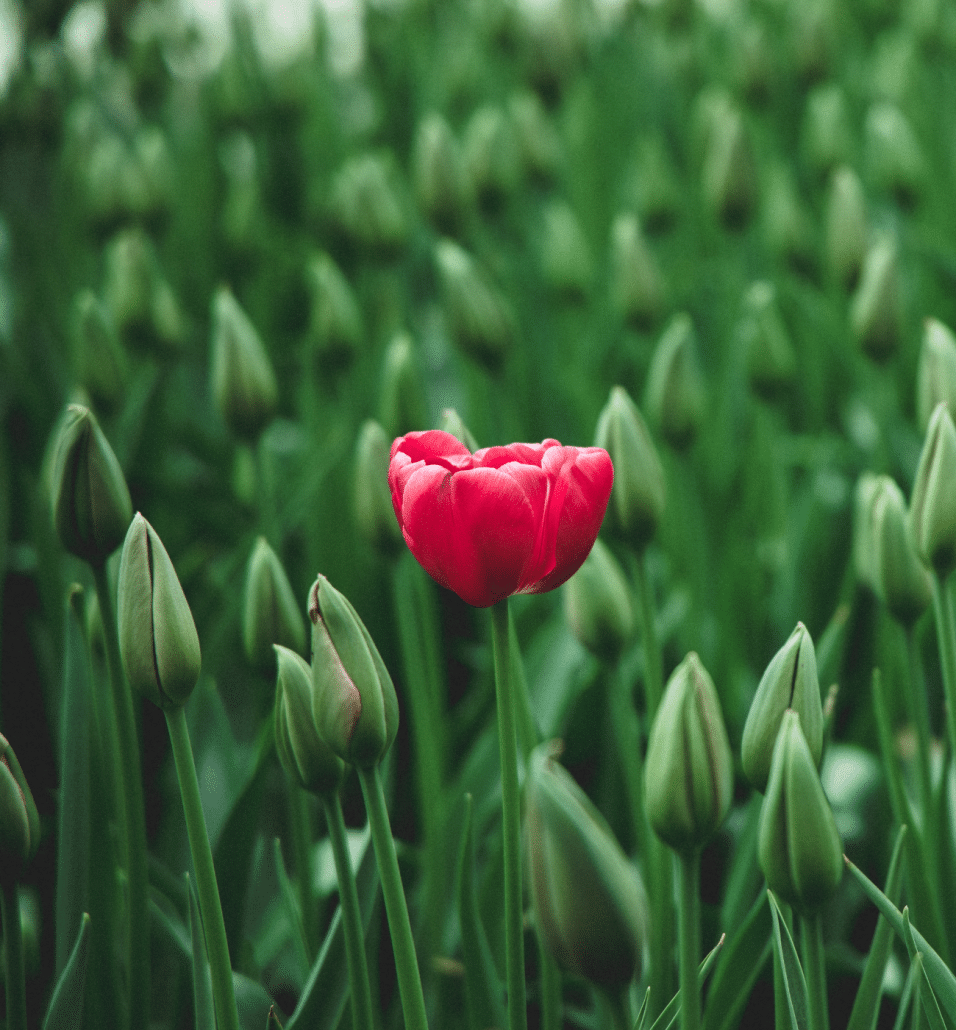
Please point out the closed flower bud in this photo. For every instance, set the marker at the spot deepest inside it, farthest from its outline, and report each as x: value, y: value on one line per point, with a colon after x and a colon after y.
x: 902, y: 580
x: 636, y: 283
x: 875, y: 309
x: 335, y: 327
x: 19, y: 819
x: 90, y: 499
x: 798, y: 844
x: 638, y: 494
x: 845, y: 229
x: 366, y: 205
x: 99, y: 360
x: 451, y: 422
x: 674, y: 397
x: 655, y: 185
x: 933, y: 502
x: 936, y: 373
x: 588, y: 900
x: 243, y: 383
x: 786, y: 225
x: 353, y: 699
x: 597, y: 604
x: 306, y: 758
x: 270, y: 613
x: 893, y: 155
x: 771, y: 361
x: 538, y: 145
x: 491, y: 157
x: 438, y: 174
x: 729, y: 175
x: 689, y: 770
x: 864, y: 536
x: 373, y: 499
x: 566, y: 257
x: 402, y: 407
x: 157, y: 636
x: 789, y: 682
x: 825, y: 140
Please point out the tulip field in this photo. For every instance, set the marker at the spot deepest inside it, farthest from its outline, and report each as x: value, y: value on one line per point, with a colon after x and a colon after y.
x: 478, y: 514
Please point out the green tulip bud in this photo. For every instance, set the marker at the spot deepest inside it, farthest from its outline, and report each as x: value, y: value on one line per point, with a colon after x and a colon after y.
x: 243, y: 382
x: 403, y: 404
x: 335, y: 330
x: 366, y: 205
x: 752, y: 61
x: 771, y: 361
x: 491, y: 157
x: 826, y: 140
x: 638, y: 494
x: 933, y: 501
x: 565, y: 254
x: 875, y: 309
x: 597, y: 604
x: 902, y: 580
x: 306, y: 758
x: 936, y: 374
x: 674, y: 397
x: 813, y: 38
x: 864, y: 536
x: 353, y: 699
x: 894, y: 157
x: 689, y: 771
x: 798, y: 844
x: 19, y: 819
x: 90, y: 499
x: 451, y: 422
x: 99, y: 361
x: 786, y: 226
x: 270, y: 613
x: 729, y: 175
x: 654, y: 185
x: 636, y: 283
x: 538, y: 144
x: 374, y: 514
x: 157, y: 636
x: 438, y: 173
x: 845, y: 229
x: 588, y: 900
x: 789, y: 682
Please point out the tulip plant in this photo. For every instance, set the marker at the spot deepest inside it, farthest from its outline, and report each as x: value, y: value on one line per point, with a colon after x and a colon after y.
x: 335, y: 691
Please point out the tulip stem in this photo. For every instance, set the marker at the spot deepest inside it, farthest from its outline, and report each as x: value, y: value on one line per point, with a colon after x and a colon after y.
x: 403, y: 945
x: 688, y: 872
x: 919, y: 713
x: 815, y: 970
x: 351, y: 917
x: 946, y: 637
x: 653, y: 663
x: 300, y: 826
x: 511, y: 816
x: 214, y: 929
x: 133, y: 808
x: 13, y: 958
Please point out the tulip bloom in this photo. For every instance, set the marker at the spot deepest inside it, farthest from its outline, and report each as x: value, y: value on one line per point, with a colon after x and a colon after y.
x: 508, y: 520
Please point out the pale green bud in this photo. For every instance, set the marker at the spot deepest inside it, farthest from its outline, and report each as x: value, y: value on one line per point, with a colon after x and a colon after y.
x: 845, y: 230
x: 864, y: 536
x: 894, y: 157
x: 19, y: 819
x: 270, y: 613
x: 597, y: 604
x: 826, y: 140
x: 636, y: 283
x: 158, y: 641
x: 753, y: 60
x: 353, y: 699
x: 654, y: 185
x: 243, y: 382
x: 798, y: 844
x: 875, y: 308
x: 933, y: 502
x: 902, y: 580
x: 789, y: 682
x: 491, y: 157
x: 588, y: 900
x: 99, y: 360
x: 438, y: 173
x: 674, y: 396
x: 367, y: 207
x: 403, y: 405
x: 729, y: 174
x: 771, y: 360
x: 936, y: 373
x: 374, y: 513
x: 785, y: 223
x: 451, y: 422
x: 90, y: 500
x: 813, y: 38
x: 689, y: 770
x: 538, y: 144
x: 335, y: 328
x: 566, y: 257
x: 638, y: 494
x: 306, y: 758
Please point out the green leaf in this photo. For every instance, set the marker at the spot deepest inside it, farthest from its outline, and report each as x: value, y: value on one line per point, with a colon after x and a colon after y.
x: 642, y: 1011
x: 672, y: 1009
x: 794, y: 982
x: 66, y: 1005
x: 291, y: 905
x: 203, y: 1006
x: 740, y: 964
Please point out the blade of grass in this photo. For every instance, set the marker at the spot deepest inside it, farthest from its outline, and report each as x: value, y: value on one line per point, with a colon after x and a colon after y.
x: 66, y: 1005
x: 741, y: 963
x: 793, y: 979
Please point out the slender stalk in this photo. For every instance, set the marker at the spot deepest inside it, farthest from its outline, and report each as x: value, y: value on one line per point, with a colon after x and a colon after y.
x: 815, y: 970
x: 653, y: 662
x: 362, y: 1018
x: 220, y: 967
x: 300, y: 824
x: 919, y: 713
x: 133, y: 809
x: 511, y: 816
x: 688, y: 872
x: 551, y: 1001
x: 946, y: 637
x: 13, y: 959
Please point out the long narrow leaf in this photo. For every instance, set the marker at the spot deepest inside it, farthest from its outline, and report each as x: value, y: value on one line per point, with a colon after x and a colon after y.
x: 740, y: 964
x: 66, y: 1005
x: 672, y: 1009
x: 203, y: 1006
x: 793, y: 979
x: 930, y: 1005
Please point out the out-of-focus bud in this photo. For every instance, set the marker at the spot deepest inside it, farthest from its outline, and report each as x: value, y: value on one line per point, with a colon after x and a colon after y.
x: 689, y: 771
x: 786, y: 226
x: 638, y: 494
x: 335, y: 328
x: 306, y: 758
x: 538, y: 145
x: 366, y: 205
x: 478, y: 317
x: 402, y: 406
x: 798, y: 844
x: 270, y: 613
x: 864, y: 537
x: 588, y: 900
x: 90, y: 500
x: 771, y: 362
x: 789, y: 682
x: 674, y: 397
x: 566, y: 257
x: 597, y: 605
x: 933, y: 502
x: 636, y: 284
x: 845, y: 227
x: 353, y: 699
x: 729, y: 176
x: 875, y: 308
x: 826, y: 141
x: 99, y: 361
x: 374, y: 514
x: 491, y: 157
x: 813, y: 38
x: 936, y: 373
x: 752, y: 60
x: 901, y: 578
x: 158, y: 641
x: 894, y: 157
x: 451, y: 422
x: 654, y: 185
x: 19, y: 819
x: 243, y: 383
x: 438, y: 174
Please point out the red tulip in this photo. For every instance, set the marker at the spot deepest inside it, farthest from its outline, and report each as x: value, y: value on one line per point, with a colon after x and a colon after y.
x: 505, y: 520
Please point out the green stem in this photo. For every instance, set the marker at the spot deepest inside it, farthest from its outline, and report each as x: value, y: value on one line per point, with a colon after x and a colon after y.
x: 946, y: 637
x: 227, y: 1015
x: 526, y: 729
x: 362, y: 1018
x: 300, y: 824
x: 403, y: 946
x: 551, y: 1000
x: 653, y: 663
x: 919, y: 713
x: 13, y: 958
x: 133, y: 810
x: 815, y: 970
x: 511, y: 817
x: 688, y: 872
